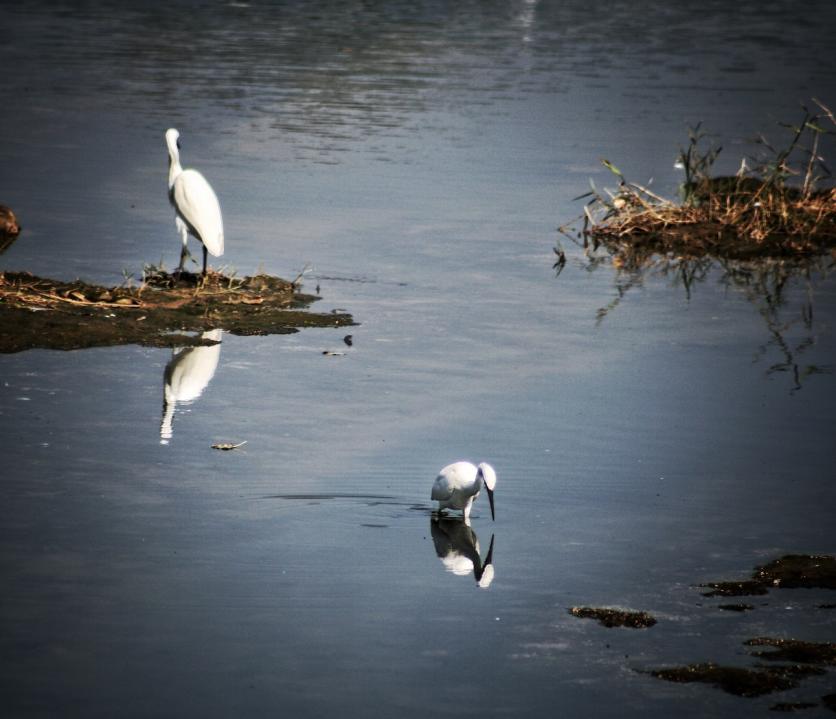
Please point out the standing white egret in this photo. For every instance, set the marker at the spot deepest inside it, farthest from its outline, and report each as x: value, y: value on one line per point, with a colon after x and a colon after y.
x: 197, y: 207
x: 458, y: 485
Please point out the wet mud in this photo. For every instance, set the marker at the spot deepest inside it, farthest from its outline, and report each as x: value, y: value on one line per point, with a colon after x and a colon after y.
x: 614, y: 617
x: 739, y: 681
x: 793, y: 650
x: 735, y: 607
x: 162, y: 311
x: 792, y: 571
x: 734, y: 589
x: 783, y: 663
x: 779, y: 664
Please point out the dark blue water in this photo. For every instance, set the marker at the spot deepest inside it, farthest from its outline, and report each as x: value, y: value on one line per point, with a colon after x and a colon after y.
x: 419, y: 157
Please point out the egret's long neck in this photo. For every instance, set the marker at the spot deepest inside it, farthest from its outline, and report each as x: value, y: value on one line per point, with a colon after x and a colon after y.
x: 477, y: 485
x: 174, y: 168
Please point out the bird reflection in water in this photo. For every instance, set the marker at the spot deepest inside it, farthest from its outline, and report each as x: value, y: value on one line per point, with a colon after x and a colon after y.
x: 457, y: 546
x: 187, y: 374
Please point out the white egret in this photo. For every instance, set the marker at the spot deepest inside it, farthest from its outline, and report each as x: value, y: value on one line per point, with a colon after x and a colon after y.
x: 458, y: 485
x: 194, y: 200
x: 457, y: 546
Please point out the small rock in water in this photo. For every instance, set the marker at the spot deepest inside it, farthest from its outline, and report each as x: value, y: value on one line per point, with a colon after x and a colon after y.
x: 228, y: 446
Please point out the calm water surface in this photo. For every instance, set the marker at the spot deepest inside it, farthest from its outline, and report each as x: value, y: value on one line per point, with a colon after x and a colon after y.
x: 419, y: 157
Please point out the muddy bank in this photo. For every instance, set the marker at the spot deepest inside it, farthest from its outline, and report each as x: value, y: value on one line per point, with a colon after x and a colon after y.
x: 162, y: 311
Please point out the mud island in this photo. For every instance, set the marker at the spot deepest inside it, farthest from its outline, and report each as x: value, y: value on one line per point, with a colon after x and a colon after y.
x: 161, y: 311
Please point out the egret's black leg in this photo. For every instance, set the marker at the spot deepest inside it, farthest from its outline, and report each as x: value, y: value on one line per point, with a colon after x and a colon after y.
x: 204, y: 260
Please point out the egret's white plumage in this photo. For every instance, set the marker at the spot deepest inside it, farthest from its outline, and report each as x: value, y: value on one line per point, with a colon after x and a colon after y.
x: 458, y: 485
x: 197, y: 207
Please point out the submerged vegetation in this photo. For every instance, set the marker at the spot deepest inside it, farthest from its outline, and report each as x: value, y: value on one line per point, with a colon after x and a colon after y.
x: 778, y: 207
x: 37, y: 312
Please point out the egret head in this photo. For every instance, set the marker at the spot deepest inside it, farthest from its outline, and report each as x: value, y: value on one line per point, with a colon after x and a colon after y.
x: 173, y: 143
x: 486, y: 472
x: 172, y: 138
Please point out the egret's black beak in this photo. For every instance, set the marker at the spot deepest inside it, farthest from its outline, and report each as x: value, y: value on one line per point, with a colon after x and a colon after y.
x: 489, y: 558
x: 490, y: 499
x: 479, y: 569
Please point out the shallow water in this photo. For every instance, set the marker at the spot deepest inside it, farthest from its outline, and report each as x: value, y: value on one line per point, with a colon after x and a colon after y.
x: 419, y: 157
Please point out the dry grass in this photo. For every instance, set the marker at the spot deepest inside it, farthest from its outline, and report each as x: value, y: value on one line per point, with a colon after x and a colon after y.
x: 776, y: 208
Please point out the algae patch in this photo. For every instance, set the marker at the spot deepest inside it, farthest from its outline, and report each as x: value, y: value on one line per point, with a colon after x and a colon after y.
x: 37, y: 312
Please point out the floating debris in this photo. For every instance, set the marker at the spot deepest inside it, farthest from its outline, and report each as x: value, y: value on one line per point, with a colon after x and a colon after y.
x: 227, y: 446
x: 614, y: 617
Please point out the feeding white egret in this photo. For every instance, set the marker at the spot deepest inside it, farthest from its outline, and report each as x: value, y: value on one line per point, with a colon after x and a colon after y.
x: 458, y: 485
x: 198, y: 211
x: 457, y: 546
x: 186, y: 375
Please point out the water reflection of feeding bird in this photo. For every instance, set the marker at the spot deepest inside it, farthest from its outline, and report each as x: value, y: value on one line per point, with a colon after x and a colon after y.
x: 187, y: 374
x: 457, y: 546
x: 458, y: 485
x: 197, y: 207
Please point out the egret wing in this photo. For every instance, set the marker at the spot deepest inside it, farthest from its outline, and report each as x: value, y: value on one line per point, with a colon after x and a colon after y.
x: 451, y: 478
x: 197, y: 203
x: 442, y: 488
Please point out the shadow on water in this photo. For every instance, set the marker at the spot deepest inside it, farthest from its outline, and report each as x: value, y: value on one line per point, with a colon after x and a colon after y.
x: 187, y: 374
x: 457, y: 546
x: 770, y: 285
